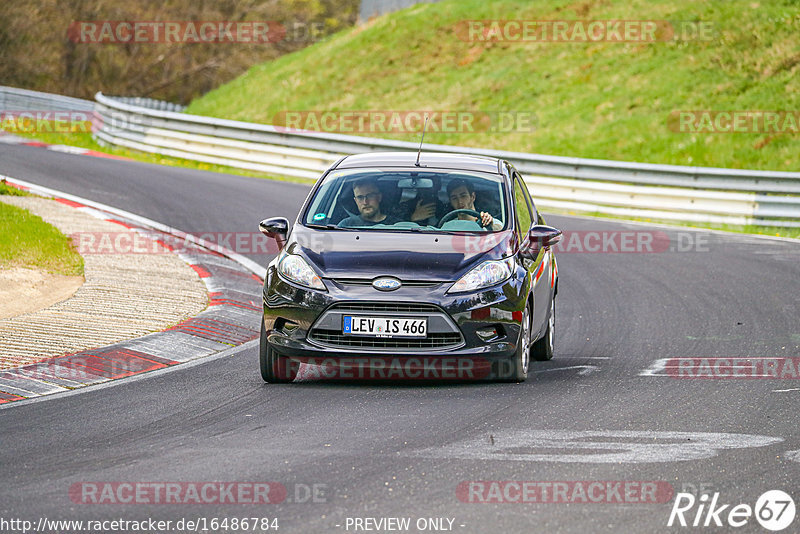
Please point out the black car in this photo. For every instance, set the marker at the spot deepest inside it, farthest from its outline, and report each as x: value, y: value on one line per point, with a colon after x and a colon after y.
x: 402, y: 265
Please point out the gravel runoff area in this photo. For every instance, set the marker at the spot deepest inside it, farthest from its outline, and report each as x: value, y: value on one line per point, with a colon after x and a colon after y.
x: 125, y: 295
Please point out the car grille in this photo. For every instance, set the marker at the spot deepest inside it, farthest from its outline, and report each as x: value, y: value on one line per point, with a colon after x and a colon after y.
x: 409, y: 307
x: 406, y: 283
x: 326, y: 333
x: 334, y: 337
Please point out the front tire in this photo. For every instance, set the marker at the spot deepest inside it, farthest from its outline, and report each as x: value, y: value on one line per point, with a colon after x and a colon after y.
x: 521, y: 359
x: 542, y: 350
x: 275, y: 369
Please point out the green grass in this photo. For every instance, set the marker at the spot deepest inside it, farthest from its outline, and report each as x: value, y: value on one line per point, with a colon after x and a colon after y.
x: 27, y: 241
x: 604, y: 100
x: 6, y: 189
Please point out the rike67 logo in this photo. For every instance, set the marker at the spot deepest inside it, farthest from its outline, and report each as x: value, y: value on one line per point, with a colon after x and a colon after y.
x: 774, y: 510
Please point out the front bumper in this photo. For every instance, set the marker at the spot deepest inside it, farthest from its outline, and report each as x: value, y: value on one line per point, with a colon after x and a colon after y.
x: 305, y: 324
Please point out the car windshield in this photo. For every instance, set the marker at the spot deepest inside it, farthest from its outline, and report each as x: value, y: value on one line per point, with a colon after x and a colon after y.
x: 409, y: 200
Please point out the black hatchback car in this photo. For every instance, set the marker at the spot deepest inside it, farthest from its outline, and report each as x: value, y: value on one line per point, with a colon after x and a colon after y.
x: 412, y: 266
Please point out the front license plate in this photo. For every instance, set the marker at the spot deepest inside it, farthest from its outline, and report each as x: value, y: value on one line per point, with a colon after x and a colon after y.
x: 384, y: 326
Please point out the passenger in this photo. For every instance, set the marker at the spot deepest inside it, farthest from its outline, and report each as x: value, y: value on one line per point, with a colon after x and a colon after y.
x: 368, y: 201
x: 462, y: 197
x: 424, y: 209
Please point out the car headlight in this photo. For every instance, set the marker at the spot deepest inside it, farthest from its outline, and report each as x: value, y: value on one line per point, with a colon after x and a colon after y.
x: 486, y: 274
x: 295, y: 268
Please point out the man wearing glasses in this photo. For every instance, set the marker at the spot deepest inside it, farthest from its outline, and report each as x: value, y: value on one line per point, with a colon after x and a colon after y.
x: 368, y: 200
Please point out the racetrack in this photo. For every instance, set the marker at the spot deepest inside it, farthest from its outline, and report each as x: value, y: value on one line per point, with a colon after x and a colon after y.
x: 603, y: 410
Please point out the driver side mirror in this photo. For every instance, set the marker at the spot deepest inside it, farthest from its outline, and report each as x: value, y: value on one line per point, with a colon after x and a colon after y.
x: 541, y: 236
x: 276, y: 228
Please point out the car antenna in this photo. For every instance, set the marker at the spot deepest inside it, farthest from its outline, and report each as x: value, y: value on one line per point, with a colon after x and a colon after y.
x: 421, y: 140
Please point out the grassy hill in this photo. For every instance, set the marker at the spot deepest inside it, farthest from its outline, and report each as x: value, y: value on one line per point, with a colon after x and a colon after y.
x: 602, y: 99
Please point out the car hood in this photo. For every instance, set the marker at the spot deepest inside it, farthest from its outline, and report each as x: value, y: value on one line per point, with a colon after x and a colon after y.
x: 405, y: 255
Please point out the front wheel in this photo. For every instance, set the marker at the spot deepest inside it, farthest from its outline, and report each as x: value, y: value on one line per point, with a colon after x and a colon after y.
x: 520, y: 361
x: 275, y: 369
x: 542, y: 350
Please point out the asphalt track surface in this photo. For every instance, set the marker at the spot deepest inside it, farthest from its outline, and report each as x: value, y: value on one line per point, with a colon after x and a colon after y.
x: 402, y: 449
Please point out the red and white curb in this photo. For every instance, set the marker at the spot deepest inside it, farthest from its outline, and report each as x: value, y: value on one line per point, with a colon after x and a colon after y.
x: 11, y: 139
x: 232, y: 318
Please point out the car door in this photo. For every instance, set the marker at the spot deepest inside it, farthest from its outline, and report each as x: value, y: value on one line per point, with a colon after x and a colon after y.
x: 536, y: 260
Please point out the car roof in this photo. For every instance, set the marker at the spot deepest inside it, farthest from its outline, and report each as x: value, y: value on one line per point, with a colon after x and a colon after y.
x: 439, y: 160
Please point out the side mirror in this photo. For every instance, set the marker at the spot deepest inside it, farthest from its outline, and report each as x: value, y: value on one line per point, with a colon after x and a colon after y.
x: 276, y: 228
x: 541, y: 236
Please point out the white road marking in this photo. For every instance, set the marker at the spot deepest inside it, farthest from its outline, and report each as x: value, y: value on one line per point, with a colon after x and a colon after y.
x: 785, y: 390
x: 658, y: 367
x: 586, y: 369
x: 68, y: 149
x: 596, y: 446
x: 793, y: 455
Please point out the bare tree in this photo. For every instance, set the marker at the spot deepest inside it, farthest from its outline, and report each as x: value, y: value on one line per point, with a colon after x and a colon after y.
x: 40, y: 49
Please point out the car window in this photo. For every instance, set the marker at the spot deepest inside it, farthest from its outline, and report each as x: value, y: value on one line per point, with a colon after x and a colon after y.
x: 522, y: 208
x: 408, y: 200
x: 526, y: 193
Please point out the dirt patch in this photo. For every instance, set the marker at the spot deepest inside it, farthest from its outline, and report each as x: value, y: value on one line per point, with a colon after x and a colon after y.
x: 28, y: 290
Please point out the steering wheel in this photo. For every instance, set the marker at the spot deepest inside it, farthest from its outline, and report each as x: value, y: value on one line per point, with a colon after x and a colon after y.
x: 455, y: 213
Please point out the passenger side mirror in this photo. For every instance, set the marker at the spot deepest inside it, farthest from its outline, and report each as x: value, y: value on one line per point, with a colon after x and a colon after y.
x: 276, y: 228
x: 541, y: 236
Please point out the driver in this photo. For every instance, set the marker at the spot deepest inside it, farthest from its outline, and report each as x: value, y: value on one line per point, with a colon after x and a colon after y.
x: 462, y: 197
x: 368, y: 200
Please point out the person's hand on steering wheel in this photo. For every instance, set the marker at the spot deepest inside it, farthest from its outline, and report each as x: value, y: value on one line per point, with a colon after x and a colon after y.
x: 486, y: 219
x: 476, y: 217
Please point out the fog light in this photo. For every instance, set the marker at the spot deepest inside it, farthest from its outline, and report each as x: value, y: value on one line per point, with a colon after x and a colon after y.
x: 285, y: 325
x: 488, y: 333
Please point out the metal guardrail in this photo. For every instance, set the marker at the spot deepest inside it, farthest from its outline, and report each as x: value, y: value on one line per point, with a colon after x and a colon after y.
x: 151, y: 103
x: 671, y: 192
x: 700, y: 194
x: 13, y: 99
